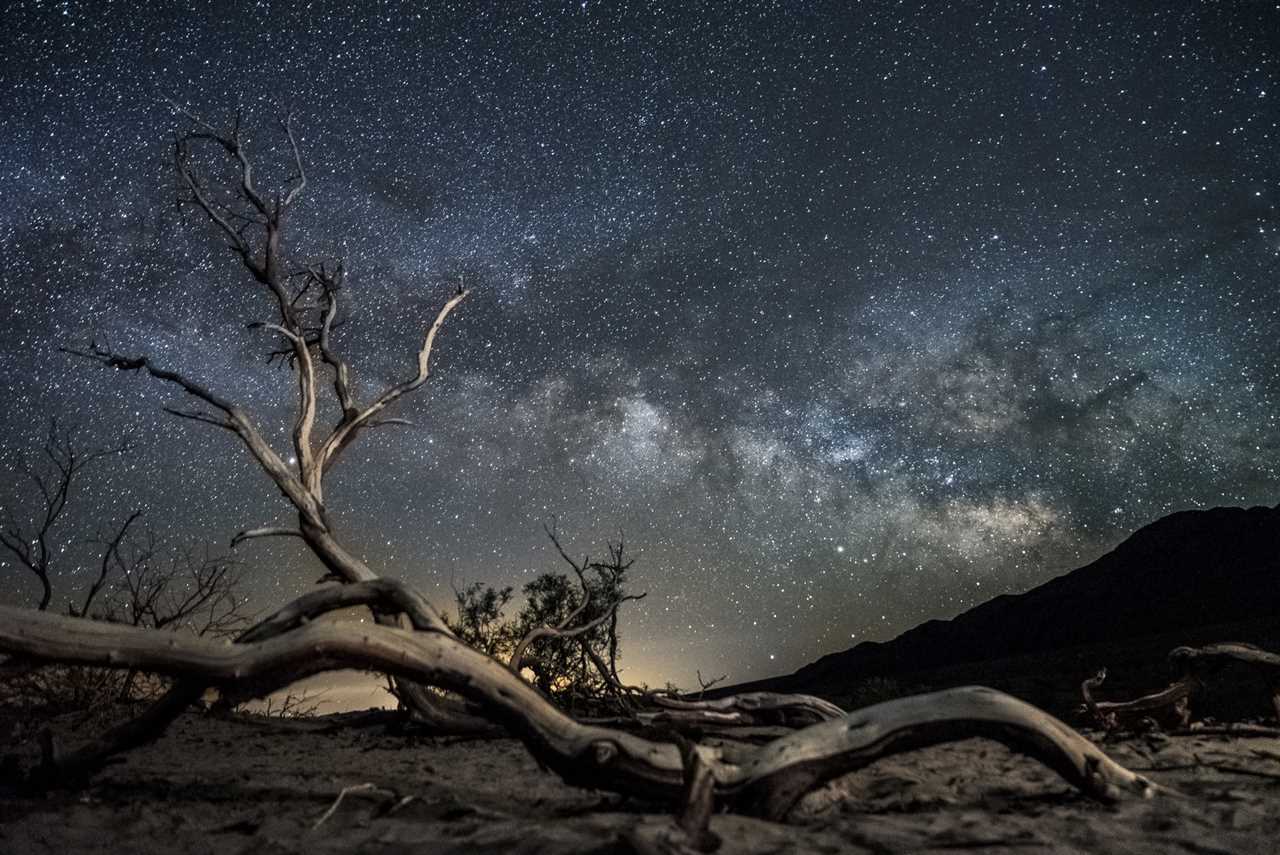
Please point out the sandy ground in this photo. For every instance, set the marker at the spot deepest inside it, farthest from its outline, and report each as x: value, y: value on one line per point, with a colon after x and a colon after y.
x: 259, y: 786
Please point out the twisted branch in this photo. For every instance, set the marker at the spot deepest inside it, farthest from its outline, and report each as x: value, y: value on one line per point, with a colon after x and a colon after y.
x: 767, y: 781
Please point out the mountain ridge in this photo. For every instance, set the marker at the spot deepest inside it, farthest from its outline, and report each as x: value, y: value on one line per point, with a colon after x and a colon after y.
x: 1188, y: 569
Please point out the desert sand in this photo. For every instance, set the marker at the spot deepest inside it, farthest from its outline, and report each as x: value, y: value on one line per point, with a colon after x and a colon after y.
x: 250, y: 785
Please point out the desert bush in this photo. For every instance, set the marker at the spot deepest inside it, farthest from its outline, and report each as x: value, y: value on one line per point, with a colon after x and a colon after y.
x: 565, y: 635
x: 480, y: 619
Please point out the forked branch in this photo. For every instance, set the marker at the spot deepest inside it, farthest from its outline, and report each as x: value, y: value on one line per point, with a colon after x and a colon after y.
x: 54, y: 476
x: 231, y: 418
x: 354, y: 419
x: 111, y: 557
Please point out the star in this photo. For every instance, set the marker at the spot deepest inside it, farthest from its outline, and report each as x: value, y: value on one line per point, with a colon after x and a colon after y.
x: 744, y: 287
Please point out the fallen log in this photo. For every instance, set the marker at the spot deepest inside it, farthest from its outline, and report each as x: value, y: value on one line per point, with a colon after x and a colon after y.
x: 1169, y: 706
x: 766, y: 781
x: 755, y: 708
x: 1202, y: 660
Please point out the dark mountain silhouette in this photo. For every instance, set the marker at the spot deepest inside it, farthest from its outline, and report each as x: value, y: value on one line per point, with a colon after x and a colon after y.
x: 1189, y: 570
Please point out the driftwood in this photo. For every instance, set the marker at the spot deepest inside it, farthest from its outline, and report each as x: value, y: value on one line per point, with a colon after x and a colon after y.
x: 1168, y: 707
x: 386, y: 594
x: 1171, y: 705
x: 1203, y: 660
x: 749, y: 709
x: 765, y: 781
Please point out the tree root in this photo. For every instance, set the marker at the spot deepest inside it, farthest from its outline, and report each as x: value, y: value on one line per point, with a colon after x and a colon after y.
x: 767, y: 781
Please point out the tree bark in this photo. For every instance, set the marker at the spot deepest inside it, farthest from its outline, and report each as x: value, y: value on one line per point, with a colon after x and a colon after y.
x: 767, y: 781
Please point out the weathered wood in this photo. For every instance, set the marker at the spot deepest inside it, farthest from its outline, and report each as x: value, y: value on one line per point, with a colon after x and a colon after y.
x: 697, y: 800
x: 388, y: 596
x: 1170, y: 704
x: 749, y: 705
x: 1199, y: 659
x: 255, y: 230
x: 766, y: 781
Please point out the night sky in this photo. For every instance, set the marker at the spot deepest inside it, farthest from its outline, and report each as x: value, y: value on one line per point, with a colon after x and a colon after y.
x: 848, y: 315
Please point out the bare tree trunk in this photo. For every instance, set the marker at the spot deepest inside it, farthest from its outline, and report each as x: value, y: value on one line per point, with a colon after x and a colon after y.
x: 305, y: 298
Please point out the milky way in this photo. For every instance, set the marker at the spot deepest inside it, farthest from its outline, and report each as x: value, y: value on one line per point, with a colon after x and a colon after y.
x: 849, y: 316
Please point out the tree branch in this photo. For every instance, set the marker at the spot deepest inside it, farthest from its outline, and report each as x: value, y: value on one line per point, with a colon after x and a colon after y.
x: 267, y: 531
x: 297, y: 160
x: 752, y: 703
x: 330, y: 283
x: 63, y: 463
x: 235, y: 421
x: 347, y: 430
x: 110, y: 555
x: 766, y: 782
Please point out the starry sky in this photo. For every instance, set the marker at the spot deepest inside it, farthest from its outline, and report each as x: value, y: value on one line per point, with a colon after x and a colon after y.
x: 849, y: 315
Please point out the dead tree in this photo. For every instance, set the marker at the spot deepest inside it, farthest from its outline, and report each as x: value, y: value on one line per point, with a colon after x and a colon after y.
x: 305, y: 298
x: 54, y: 478
x: 195, y: 590
x: 766, y: 781
x: 1201, y: 661
x: 1169, y: 706
x: 290, y: 644
x: 134, y: 583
